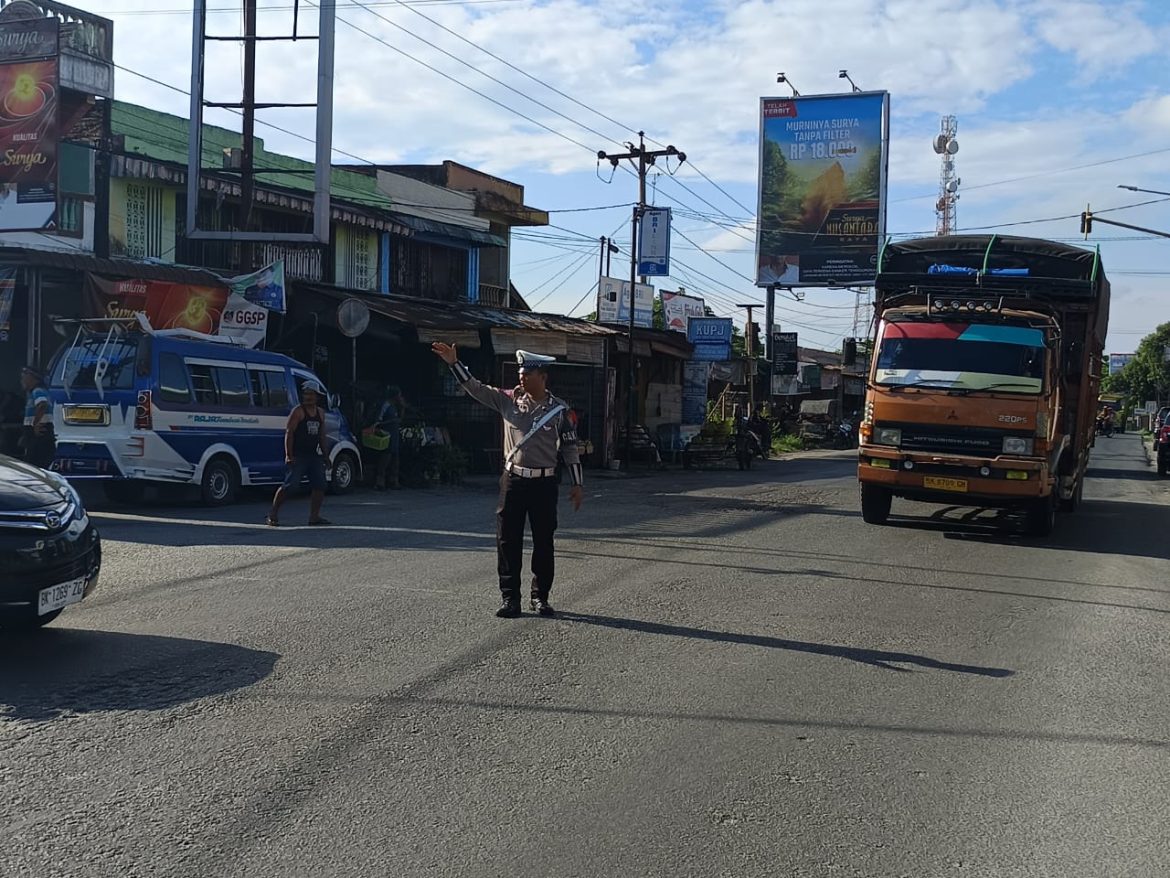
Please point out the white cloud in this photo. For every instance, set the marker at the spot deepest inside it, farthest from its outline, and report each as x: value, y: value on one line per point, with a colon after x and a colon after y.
x: 1103, y: 37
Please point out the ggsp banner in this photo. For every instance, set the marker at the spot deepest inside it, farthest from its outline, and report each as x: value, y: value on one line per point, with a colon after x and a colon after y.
x: 821, y: 213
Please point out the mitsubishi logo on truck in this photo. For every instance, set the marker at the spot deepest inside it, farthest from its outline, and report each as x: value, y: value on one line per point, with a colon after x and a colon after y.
x: 1012, y: 419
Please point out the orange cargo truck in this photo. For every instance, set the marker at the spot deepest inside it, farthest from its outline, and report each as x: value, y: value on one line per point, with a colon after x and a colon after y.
x: 986, y: 366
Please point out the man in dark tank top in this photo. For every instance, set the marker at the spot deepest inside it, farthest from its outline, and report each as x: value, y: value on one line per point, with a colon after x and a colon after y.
x: 304, y: 454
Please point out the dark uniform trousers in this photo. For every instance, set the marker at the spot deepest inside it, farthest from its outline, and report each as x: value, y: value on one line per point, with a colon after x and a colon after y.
x: 534, y: 500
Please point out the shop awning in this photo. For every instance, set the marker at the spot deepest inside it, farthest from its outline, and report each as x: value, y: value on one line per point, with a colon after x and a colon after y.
x: 461, y: 322
x: 446, y: 230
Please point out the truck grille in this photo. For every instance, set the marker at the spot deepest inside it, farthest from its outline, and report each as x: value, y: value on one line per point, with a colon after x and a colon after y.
x: 969, y: 441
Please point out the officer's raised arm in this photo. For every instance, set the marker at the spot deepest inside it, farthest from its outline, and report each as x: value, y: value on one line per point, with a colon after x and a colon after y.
x: 477, y: 390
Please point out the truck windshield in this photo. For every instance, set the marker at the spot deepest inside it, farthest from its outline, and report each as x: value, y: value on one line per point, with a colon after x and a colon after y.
x: 76, y: 365
x: 961, y: 356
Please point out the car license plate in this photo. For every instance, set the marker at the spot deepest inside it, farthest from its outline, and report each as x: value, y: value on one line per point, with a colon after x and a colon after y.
x: 85, y: 414
x: 944, y: 484
x: 57, y: 596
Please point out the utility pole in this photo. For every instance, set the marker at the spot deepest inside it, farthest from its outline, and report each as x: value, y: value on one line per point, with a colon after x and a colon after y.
x: 248, y: 139
x: 642, y: 159
x: 608, y: 247
x: 749, y: 349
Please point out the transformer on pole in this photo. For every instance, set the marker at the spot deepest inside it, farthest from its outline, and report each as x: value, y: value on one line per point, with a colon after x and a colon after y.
x: 945, y: 145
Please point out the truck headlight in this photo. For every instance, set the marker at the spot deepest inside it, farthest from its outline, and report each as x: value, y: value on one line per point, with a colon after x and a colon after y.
x: 1017, y: 445
x: 887, y: 436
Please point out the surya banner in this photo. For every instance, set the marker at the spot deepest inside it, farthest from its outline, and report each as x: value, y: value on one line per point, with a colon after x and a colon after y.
x: 821, y: 215
x: 165, y: 305
x: 29, y: 128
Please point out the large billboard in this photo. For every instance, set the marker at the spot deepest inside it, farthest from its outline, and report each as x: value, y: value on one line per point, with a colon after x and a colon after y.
x: 29, y: 128
x: 821, y: 216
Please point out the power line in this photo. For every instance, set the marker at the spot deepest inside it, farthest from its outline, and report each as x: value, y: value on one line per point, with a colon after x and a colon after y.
x: 142, y: 13
x: 565, y: 95
x: 461, y: 84
x: 1097, y: 164
x: 478, y: 70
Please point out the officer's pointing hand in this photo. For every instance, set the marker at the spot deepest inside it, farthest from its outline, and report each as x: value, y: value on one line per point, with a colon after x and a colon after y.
x: 576, y: 495
x: 445, y: 352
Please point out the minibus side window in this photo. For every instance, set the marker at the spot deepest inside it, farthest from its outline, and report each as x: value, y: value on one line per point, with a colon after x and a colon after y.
x: 269, y: 389
x: 204, y: 384
x: 172, y: 379
x: 233, y: 387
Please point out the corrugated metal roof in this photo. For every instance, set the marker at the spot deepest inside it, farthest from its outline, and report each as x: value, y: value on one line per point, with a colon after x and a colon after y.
x: 430, y: 314
x: 125, y: 268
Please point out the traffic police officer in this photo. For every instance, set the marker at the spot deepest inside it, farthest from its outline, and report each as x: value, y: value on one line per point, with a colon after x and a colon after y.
x: 536, y: 428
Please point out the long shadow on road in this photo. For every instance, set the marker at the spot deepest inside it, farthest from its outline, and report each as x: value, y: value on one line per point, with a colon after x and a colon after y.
x: 876, y: 657
x: 1099, y: 527
x: 55, y: 672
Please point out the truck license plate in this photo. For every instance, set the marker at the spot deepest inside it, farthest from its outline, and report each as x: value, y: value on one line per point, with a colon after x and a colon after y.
x: 944, y: 484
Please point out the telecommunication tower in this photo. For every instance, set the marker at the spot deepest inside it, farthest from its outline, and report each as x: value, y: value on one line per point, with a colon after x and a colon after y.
x: 945, y: 209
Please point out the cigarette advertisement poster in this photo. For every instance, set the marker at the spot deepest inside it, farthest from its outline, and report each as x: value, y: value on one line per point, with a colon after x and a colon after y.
x: 165, y: 305
x: 28, y: 125
x: 822, y: 189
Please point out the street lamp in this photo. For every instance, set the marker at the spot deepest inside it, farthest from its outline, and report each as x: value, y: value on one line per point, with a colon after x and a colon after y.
x: 1138, y: 189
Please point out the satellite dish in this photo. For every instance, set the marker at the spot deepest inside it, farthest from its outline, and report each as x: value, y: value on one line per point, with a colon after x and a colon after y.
x: 952, y: 147
x: 353, y: 317
x: 940, y: 144
x: 953, y: 186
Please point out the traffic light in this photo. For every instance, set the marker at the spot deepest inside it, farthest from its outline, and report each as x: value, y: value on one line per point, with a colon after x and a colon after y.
x: 1087, y: 222
x: 849, y: 352
x: 755, y: 344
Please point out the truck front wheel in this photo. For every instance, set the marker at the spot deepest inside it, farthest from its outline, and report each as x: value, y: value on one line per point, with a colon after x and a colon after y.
x: 1041, y: 516
x: 875, y: 503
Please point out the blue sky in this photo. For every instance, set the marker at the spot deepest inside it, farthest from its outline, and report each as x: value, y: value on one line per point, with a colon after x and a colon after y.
x: 1067, y: 99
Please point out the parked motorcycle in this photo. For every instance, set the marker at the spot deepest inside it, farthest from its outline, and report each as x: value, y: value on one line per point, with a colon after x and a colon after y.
x: 746, y: 445
x: 845, y: 436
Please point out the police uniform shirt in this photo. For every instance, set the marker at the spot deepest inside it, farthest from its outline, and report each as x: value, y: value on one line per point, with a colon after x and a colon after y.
x: 520, y: 412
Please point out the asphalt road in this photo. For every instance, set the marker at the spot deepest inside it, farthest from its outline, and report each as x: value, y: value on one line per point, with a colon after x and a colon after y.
x: 746, y: 681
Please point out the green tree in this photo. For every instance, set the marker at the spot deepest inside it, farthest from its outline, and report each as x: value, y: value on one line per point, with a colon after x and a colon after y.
x: 867, y: 182
x: 774, y: 185
x: 1147, y: 375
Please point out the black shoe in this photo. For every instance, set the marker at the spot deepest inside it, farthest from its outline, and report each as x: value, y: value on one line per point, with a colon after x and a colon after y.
x: 542, y: 607
x: 509, y: 609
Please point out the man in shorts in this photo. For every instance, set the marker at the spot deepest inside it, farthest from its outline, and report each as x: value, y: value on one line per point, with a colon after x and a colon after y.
x: 305, y: 453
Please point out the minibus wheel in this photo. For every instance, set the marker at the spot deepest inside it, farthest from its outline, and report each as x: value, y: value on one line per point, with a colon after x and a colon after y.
x: 345, y: 473
x: 221, y: 482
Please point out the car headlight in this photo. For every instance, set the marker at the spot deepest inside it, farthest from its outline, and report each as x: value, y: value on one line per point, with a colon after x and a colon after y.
x: 887, y: 436
x: 1017, y: 445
